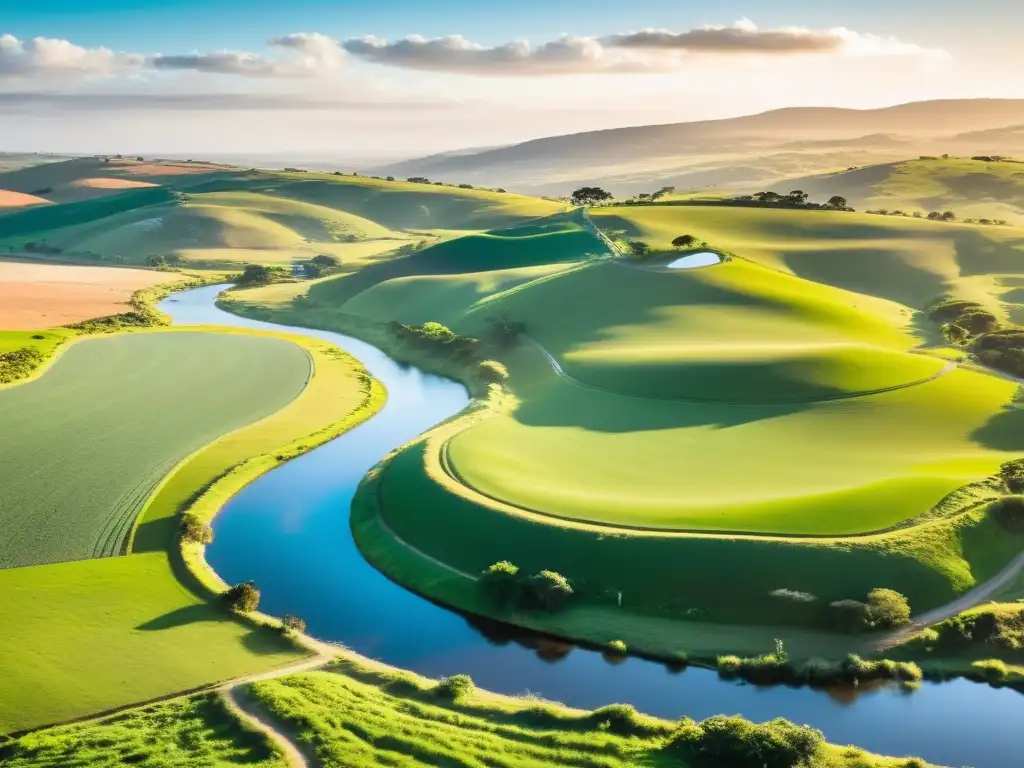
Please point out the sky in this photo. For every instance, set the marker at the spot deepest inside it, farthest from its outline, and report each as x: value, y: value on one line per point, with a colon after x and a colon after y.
x: 383, y: 79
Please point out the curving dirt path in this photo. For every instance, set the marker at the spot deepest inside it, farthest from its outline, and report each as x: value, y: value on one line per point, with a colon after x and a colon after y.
x: 235, y: 704
x: 967, y: 600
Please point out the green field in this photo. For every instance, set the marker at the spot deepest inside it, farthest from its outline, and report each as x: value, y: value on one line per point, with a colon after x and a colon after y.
x: 111, y: 418
x: 218, y: 216
x: 971, y: 188
x: 353, y: 714
x: 146, y: 621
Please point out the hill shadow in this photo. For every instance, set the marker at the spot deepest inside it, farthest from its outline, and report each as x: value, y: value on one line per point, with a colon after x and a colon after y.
x: 976, y: 254
x: 1004, y: 431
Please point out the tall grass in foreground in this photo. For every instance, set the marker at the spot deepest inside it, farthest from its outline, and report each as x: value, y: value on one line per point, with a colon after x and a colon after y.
x: 183, y: 733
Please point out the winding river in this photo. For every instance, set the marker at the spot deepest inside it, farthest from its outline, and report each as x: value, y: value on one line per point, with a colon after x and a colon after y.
x: 289, y: 533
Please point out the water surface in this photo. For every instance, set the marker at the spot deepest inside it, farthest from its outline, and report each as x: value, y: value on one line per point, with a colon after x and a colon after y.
x: 289, y: 532
x: 703, y: 259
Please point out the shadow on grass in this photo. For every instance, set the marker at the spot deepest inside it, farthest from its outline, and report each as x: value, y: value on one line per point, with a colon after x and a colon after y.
x: 179, y: 617
x: 260, y: 639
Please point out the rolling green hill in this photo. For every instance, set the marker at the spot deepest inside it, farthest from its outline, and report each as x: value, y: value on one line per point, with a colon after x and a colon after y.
x: 987, y: 189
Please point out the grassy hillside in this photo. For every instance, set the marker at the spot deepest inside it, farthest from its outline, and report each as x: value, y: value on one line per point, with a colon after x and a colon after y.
x: 229, y: 216
x: 357, y: 714
x: 111, y: 455
x: 970, y: 188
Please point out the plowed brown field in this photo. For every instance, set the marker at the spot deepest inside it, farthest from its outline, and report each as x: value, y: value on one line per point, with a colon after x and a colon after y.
x: 36, y: 296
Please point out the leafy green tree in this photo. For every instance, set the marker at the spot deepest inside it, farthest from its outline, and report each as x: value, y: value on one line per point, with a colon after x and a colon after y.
x: 684, y: 241
x: 243, y: 598
x: 195, y: 530
x: 550, y: 590
x: 887, y: 608
x: 838, y: 202
x: 590, y: 196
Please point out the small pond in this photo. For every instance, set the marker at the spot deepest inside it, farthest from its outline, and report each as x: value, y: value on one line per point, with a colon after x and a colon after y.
x: 693, y: 260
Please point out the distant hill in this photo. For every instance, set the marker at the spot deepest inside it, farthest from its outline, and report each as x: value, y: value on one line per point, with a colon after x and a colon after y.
x: 970, y: 188
x: 734, y: 152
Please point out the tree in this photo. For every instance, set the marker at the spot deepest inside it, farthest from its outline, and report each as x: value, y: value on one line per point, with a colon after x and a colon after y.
x: 590, y: 196
x: 195, y: 530
x: 767, y: 197
x: 244, y: 597
x: 948, y: 216
x: 662, y: 192
x: 887, y: 608
x: 550, y: 590
x: 292, y: 623
x: 797, y: 197
x: 259, y: 274
x: 684, y: 241
x: 501, y: 582
x: 638, y: 248
x: 838, y: 202
x: 418, y: 179
x: 326, y: 260
x: 955, y: 334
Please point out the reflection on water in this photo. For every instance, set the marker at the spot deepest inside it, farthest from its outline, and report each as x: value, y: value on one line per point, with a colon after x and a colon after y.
x: 289, y: 532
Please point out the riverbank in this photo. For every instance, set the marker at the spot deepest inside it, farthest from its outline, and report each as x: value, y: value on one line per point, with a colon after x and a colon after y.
x: 593, y: 625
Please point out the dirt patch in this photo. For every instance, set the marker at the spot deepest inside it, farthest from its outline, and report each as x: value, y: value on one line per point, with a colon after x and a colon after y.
x: 10, y: 201
x: 169, y: 168
x: 104, y: 183
x: 34, y: 296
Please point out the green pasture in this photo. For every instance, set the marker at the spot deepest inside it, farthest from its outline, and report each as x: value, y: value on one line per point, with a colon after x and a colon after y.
x: 970, y: 188
x: 907, y: 261
x: 83, y: 637
x: 86, y: 443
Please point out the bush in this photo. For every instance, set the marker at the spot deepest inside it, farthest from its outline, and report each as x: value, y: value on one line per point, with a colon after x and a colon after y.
x: 492, y: 371
x: 19, y: 363
x: 624, y: 720
x: 684, y: 241
x: 292, y: 623
x: 549, y: 590
x: 501, y: 582
x: 887, y: 608
x: 618, y: 647
x: 849, y: 615
x: 737, y: 743
x: 1009, y: 512
x: 991, y: 670
x: 454, y: 688
x: 195, y: 530
x: 260, y: 274
x: 638, y: 248
x: 243, y: 598
x: 977, y: 321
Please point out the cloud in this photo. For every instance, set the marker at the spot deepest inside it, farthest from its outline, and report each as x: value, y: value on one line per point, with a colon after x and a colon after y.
x: 649, y: 50
x: 456, y: 54
x: 745, y: 37
x: 22, y: 100
x: 48, y: 57
x: 309, y: 55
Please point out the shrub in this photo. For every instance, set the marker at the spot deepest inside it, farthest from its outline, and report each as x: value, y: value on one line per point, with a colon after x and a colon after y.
x: 729, y: 666
x: 849, y: 615
x: 19, y: 363
x: 1009, y: 512
x: 326, y: 260
x: 977, y: 321
x: 195, y: 530
x: 992, y: 670
x: 549, y: 590
x: 243, y: 598
x: 454, y: 688
x: 292, y: 623
x: 738, y: 743
x: 492, y: 371
x: 501, y: 582
x: 638, y: 248
x: 260, y: 274
x: 624, y: 720
x: 684, y: 241
x: 887, y: 608
x: 618, y: 647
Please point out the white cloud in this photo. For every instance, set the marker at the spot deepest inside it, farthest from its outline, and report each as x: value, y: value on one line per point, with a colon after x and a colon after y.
x: 308, y: 54
x: 46, y: 57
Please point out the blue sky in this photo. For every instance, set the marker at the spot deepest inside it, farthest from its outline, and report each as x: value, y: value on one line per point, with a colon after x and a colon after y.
x: 485, y: 89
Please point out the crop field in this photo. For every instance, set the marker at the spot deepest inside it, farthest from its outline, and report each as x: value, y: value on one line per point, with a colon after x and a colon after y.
x: 36, y: 296
x: 111, y: 417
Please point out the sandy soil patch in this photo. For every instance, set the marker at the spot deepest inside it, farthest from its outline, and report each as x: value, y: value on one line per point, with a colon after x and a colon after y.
x: 105, y: 183
x: 11, y: 200
x: 34, y: 296
x: 169, y: 168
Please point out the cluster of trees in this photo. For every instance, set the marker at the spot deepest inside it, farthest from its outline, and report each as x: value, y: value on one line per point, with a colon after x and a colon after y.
x: 968, y: 324
x: 19, y: 363
x: 508, y: 587
x: 436, y: 338
x: 732, y: 741
x: 41, y: 248
x: 321, y: 265
x: 998, y: 629
x: 261, y: 274
x: 885, y: 608
x: 795, y: 199
x: 589, y: 196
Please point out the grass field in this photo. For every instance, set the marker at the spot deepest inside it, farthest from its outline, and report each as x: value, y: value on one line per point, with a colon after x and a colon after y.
x: 80, y: 638
x: 356, y: 714
x: 128, y: 212
x: 111, y: 418
x: 971, y: 188
x: 145, y: 621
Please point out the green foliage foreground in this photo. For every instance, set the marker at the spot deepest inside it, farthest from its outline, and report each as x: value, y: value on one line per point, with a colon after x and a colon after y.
x: 353, y: 715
